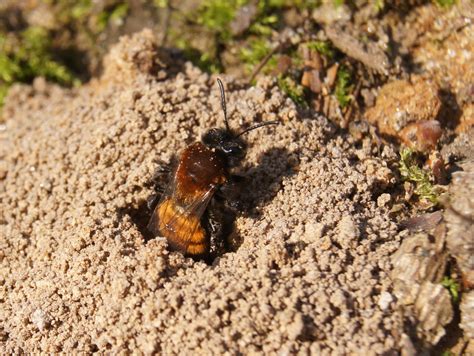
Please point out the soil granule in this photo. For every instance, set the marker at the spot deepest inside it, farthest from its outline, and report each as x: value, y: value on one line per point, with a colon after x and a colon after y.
x: 77, y: 272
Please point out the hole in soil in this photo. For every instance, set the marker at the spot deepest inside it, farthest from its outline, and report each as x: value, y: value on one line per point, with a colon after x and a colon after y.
x: 258, y: 188
x: 140, y: 217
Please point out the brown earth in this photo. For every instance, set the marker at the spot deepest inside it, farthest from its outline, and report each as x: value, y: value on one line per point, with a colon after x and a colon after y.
x: 77, y: 273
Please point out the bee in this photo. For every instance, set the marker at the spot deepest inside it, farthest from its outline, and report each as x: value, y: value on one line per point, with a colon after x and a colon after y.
x: 191, y: 212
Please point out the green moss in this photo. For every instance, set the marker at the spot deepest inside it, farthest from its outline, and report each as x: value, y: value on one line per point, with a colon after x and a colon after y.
x: 116, y: 14
x: 264, y: 25
x: 448, y: 353
x: 452, y: 286
x: 307, y: 4
x: 161, y: 3
x: 216, y: 15
x: 325, y: 48
x: 10, y: 69
x: 28, y: 56
x: 87, y: 17
x: 410, y: 171
x: 294, y: 90
x: 379, y: 5
x: 81, y: 9
x: 35, y: 58
x: 445, y: 3
x: 282, y: 4
x: 254, y: 52
x: 343, y: 86
x: 3, y: 93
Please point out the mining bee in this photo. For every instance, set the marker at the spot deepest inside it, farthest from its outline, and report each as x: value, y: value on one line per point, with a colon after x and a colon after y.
x: 195, y: 210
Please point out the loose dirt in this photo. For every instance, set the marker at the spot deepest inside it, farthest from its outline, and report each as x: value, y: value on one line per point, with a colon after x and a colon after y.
x: 79, y: 273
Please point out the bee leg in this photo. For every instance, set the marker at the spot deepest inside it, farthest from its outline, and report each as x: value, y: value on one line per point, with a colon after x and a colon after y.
x: 215, y: 226
x: 220, y: 226
x: 230, y: 192
x: 152, y: 201
x: 216, y: 229
x: 158, y: 181
x: 163, y: 170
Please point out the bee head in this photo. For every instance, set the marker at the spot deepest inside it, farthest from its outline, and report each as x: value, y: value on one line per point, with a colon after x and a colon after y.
x: 233, y: 147
x: 224, y: 140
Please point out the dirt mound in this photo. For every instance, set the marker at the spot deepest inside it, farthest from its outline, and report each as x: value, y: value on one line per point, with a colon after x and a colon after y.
x: 77, y: 273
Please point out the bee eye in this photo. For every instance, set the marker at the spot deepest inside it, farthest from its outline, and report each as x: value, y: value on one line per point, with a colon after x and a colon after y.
x: 212, y: 137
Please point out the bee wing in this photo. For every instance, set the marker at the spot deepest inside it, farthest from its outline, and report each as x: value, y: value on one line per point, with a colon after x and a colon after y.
x: 199, y: 205
x: 181, y: 222
x: 188, y: 220
x: 154, y: 223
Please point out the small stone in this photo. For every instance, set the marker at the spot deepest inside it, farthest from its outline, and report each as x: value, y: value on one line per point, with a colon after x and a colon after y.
x: 296, y: 328
x: 385, y: 300
x: 328, y: 14
x: 348, y: 232
x: 313, y: 231
x: 39, y: 319
x: 383, y: 200
x: 422, y: 135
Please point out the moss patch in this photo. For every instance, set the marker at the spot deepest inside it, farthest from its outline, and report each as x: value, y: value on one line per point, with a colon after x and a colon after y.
x: 29, y: 55
x: 410, y: 171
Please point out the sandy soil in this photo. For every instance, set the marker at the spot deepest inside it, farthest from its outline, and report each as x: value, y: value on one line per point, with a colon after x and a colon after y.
x: 78, y: 274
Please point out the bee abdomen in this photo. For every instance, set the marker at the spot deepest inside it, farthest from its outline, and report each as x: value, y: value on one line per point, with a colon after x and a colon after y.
x: 183, y: 232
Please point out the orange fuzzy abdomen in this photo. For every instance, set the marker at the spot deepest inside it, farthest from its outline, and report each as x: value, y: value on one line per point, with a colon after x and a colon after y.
x: 183, y: 232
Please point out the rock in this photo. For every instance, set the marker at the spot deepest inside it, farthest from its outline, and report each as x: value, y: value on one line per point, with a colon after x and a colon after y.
x: 408, y: 349
x: 437, y: 165
x: 42, y: 16
x: 348, y: 232
x: 419, y: 259
x: 422, y: 135
x: 401, y: 104
x: 385, y: 300
x: 40, y: 319
x: 383, y: 199
x: 462, y: 147
x: 459, y: 217
x: 466, y: 121
x: 467, y: 314
x: 244, y: 17
x: 328, y: 14
x: 359, y: 129
x: 425, y: 222
x: 434, y: 311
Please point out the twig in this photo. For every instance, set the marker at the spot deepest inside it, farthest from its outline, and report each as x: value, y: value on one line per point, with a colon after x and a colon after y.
x: 374, y: 58
x: 264, y: 61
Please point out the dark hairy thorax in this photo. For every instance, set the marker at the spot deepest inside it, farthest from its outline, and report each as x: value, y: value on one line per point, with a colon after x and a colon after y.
x: 199, y: 169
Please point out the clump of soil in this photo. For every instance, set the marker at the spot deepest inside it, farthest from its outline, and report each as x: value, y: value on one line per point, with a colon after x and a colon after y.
x: 78, y: 274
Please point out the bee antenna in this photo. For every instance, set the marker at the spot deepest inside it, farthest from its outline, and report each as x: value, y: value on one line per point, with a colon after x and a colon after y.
x: 266, y: 123
x: 223, y: 104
